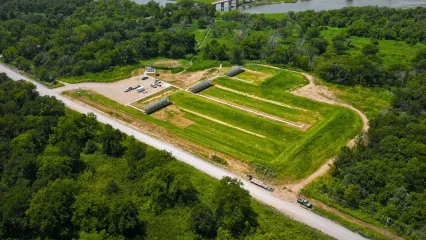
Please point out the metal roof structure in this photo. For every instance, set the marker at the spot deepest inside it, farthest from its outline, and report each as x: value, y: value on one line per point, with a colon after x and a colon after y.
x: 235, y: 71
x: 155, y: 106
x: 200, y: 86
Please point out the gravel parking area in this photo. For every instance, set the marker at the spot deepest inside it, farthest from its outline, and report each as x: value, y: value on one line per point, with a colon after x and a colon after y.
x: 115, y: 91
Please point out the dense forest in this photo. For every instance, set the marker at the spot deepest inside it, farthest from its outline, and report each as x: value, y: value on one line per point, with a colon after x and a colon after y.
x: 63, y: 175
x: 384, y: 177
x: 53, y: 38
x: 50, y: 39
x: 303, y: 40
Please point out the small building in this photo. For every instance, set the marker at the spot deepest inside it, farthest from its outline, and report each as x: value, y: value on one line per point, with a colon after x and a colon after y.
x: 235, y: 71
x: 201, y: 86
x: 149, y: 69
x: 155, y: 106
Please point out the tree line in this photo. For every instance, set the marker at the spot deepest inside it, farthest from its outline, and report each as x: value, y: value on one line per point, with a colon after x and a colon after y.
x: 53, y: 38
x: 297, y: 40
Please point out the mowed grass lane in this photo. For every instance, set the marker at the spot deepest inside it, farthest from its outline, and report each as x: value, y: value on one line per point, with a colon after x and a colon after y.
x: 273, y: 130
x: 275, y: 89
x: 295, y: 115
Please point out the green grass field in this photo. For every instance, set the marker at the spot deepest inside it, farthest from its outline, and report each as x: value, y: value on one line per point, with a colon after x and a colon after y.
x: 391, y: 51
x: 288, y: 152
x: 370, y: 101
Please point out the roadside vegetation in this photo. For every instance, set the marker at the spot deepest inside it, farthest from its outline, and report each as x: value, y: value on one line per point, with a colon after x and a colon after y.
x: 64, y: 175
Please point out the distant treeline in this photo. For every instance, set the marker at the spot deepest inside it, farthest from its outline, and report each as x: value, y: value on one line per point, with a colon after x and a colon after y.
x: 297, y: 40
x: 56, y: 38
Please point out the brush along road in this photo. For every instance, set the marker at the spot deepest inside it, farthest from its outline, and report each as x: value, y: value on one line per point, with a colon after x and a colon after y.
x: 291, y: 209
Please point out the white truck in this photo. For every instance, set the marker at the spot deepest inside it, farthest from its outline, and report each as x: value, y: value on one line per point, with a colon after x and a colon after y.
x: 140, y: 89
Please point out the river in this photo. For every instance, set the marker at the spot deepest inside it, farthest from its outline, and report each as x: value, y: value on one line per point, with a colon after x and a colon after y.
x: 318, y: 5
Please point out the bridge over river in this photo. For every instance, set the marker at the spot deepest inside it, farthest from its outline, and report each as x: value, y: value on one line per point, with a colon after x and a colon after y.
x: 229, y: 2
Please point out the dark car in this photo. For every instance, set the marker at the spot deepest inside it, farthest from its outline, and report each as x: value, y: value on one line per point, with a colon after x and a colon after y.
x: 304, y: 202
x: 136, y: 86
x: 145, y: 78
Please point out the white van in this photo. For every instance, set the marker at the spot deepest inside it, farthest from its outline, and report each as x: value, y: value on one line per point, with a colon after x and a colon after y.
x: 140, y: 89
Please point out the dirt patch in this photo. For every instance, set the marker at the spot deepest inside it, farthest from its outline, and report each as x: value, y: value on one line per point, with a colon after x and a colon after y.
x: 184, y: 79
x: 168, y: 63
x: 173, y: 115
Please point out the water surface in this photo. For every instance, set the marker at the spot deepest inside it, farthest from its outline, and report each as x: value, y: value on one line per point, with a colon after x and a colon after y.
x: 319, y: 5
x: 316, y: 5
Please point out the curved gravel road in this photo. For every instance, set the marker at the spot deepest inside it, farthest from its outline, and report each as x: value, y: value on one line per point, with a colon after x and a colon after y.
x: 291, y: 209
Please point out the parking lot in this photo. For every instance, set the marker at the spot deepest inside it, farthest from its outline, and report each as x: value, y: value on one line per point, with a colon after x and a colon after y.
x: 115, y: 90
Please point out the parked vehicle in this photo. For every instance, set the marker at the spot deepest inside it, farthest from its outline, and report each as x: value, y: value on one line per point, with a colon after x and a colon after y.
x: 145, y: 77
x: 140, y: 89
x: 259, y: 183
x: 128, y: 89
x: 304, y: 202
x: 153, y: 85
x: 157, y: 80
x: 136, y: 87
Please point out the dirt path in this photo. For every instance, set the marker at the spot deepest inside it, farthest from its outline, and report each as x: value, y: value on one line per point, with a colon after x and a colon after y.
x: 204, y: 38
x: 321, y: 94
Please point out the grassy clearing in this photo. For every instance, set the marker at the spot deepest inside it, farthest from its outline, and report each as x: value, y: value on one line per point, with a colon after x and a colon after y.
x: 370, y: 100
x: 262, y: 68
x: 391, y: 51
x: 253, y: 77
x: 115, y: 74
